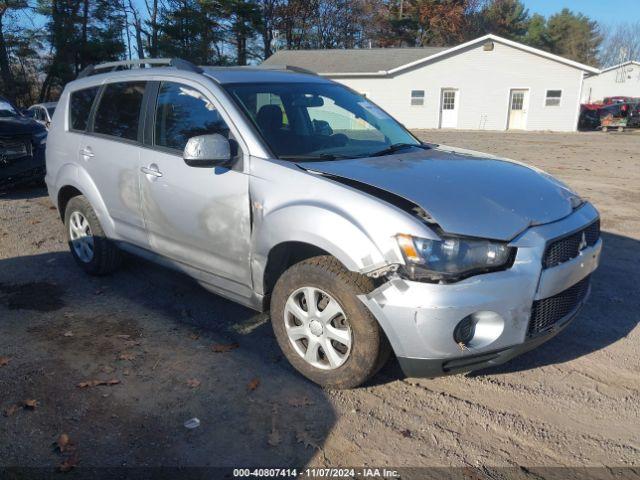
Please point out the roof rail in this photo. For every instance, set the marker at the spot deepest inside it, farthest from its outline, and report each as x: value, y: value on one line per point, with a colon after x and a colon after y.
x: 178, y: 63
x: 291, y: 68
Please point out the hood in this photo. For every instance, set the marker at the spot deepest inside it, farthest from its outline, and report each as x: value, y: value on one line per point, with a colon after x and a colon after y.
x: 19, y: 126
x: 478, y: 196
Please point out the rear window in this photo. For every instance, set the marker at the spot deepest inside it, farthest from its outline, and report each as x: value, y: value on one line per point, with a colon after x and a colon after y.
x: 80, y: 107
x: 118, y: 112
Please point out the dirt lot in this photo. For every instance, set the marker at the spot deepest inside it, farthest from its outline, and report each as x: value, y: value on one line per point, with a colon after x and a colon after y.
x: 573, y: 402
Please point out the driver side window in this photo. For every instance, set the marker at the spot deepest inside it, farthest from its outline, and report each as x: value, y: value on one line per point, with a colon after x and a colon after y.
x: 182, y: 112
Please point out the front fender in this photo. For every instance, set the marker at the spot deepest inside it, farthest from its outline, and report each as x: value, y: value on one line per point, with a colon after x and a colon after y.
x: 315, y: 225
x: 75, y: 176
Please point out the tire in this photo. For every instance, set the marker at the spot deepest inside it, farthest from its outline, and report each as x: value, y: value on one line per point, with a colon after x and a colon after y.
x: 369, y: 349
x: 104, y: 256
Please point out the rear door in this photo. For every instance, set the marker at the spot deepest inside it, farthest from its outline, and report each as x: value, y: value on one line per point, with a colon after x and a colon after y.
x: 195, y: 216
x: 110, y: 152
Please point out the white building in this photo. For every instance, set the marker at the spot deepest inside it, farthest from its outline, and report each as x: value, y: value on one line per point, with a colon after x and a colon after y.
x: 490, y: 83
x: 619, y: 81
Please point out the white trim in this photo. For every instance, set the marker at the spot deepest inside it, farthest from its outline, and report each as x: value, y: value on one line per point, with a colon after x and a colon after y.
x: 495, y: 38
x: 624, y: 64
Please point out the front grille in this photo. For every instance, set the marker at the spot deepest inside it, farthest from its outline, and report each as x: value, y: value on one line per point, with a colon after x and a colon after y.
x: 566, y: 248
x: 14, y: 148
x: 548, y: 312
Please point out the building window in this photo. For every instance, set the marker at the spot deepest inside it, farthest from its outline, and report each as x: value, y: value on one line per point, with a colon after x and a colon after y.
x: 553, y: 98
x: 417, y: 97
x: 448, y: 100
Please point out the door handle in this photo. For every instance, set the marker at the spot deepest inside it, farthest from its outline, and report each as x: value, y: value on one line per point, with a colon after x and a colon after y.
x: 87, y: 152
x: 152, y: 170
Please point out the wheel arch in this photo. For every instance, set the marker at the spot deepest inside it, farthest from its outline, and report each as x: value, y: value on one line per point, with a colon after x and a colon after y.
x: 72, y: 181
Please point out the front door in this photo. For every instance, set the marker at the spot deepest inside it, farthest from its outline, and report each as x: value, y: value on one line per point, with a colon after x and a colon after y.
x: 449, y: 108
x: 198, y: 217
x: 518, y: 106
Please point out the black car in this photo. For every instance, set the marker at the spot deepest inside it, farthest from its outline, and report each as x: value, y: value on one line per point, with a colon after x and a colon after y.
x: 22, y: 146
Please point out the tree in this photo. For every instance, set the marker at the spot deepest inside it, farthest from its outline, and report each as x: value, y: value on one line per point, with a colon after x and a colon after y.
x: 620, y: 44
x: 574, y: 36
x: 79, y: 33
x: 537, y: 34
x: 506, y: 18
x: 7, y: 9
x: 191, y: 29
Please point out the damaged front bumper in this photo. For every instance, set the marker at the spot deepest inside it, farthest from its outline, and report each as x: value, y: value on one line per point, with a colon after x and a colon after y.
x: 419, y: 319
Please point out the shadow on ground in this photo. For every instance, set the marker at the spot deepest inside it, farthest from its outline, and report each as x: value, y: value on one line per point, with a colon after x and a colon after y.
x: 151, y: 329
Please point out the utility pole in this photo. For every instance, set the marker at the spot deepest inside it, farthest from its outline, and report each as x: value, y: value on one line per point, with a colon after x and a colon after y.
x: 401, y: 9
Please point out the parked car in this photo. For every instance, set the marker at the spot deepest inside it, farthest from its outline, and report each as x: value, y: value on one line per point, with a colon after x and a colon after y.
x: 42, y: 112
x: 287, y: 192
x: 22, y: 147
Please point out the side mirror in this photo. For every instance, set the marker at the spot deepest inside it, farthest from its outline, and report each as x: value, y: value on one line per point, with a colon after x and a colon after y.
x: 211, y: 150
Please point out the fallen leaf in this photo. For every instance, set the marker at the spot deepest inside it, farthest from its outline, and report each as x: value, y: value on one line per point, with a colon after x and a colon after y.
x: 253, y: 384
x: 194, y: 336
x: 68, y: 334
x: 300, y: 402
x: 11, y: 409
x: 95, y: 383
x: 52, y: 208
x: 224, y: 347
x: 68, y: 464
x: 123, y: 337
x: 30, y: 404
x: 193, y: 382
x: 63, y: 444
x: 4, y: 361
x: 127, y: 356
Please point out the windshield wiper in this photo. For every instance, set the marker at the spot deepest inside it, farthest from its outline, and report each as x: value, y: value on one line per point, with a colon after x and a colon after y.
x: 396, y: 147
x: 315, y: 158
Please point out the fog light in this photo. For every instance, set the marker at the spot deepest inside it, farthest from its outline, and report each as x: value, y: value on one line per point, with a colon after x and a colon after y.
x: 465, y: 330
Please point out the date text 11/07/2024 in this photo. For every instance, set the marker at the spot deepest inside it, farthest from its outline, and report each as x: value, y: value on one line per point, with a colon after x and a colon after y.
x: 315, y: 473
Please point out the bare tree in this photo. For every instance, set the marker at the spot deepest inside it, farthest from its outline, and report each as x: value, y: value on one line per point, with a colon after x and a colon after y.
x: 621, y: 43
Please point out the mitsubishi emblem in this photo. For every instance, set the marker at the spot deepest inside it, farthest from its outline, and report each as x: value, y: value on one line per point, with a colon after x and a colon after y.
x: 583, y: 242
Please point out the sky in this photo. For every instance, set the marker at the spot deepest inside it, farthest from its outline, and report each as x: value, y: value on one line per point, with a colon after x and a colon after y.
x: 608, y: 12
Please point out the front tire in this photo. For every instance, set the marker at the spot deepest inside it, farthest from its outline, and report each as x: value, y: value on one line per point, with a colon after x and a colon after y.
x: 90, y: 247
x: 323, y: 329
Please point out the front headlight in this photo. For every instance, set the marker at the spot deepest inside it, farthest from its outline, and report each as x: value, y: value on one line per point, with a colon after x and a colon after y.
x: 452, y: 258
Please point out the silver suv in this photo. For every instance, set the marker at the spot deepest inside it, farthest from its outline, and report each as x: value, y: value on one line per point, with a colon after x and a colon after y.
x: 287, y: 192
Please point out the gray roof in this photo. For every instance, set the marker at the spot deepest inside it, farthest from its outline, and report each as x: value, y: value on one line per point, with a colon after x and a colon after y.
x: 360, y: 60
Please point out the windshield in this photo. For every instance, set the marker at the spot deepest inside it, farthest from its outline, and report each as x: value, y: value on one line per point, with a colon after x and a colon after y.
x: 7, y: 110
x: 319, y: 121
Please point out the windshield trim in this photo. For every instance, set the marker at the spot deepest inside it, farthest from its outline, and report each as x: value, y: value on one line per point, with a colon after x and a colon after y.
x: 228, y: 88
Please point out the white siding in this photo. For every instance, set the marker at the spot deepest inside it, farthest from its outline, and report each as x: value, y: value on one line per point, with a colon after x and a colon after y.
x: 622, y: 82
x: 484, y: 80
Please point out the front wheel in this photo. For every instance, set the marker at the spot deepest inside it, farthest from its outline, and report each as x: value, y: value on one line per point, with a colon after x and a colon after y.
x: 324, y: 330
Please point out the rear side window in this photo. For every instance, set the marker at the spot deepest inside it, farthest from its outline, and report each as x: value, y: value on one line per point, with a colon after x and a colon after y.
x: 183, y: 112
x: 118, y: 112
x: 80, y: 107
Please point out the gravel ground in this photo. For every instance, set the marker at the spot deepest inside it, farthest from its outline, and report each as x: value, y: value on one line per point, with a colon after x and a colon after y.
x: 572, y: 402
